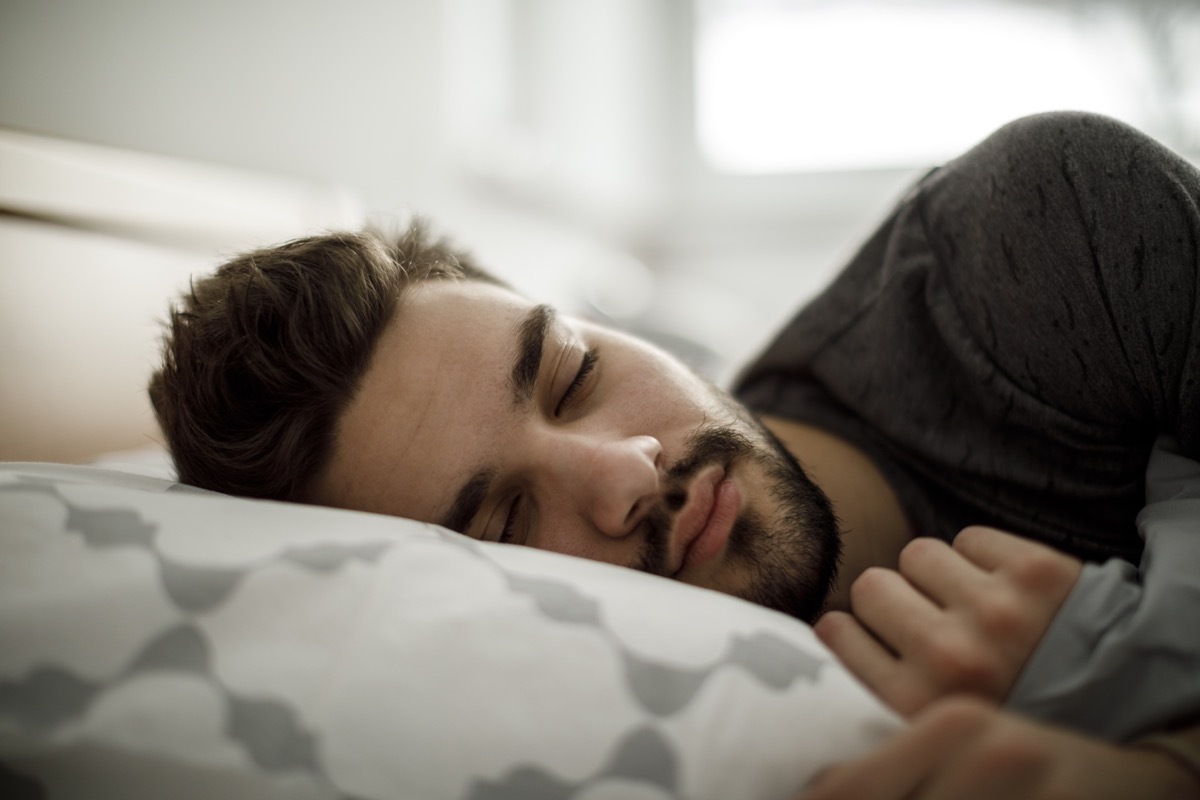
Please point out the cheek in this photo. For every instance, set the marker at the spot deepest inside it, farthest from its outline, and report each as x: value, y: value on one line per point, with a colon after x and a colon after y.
x: 656, y: 392
x: 664, y: 396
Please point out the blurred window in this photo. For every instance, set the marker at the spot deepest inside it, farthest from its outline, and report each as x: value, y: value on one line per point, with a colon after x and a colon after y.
x: 786, y: 86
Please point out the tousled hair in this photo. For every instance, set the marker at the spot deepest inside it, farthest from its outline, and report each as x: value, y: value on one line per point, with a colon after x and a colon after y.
x: 261, y: 358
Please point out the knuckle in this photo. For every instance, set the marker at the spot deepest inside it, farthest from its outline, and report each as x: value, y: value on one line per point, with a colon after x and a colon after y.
x: 1000, y: 617
x: 957, y: 714
x: 909, y: 699
x: 1043, y: 570
x: 1010, y: 750
x: 919, y: 550
x: 955, y: 662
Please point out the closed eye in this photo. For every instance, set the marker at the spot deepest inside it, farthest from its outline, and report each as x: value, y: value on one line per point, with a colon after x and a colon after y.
x: 508, y: 532
x: 586, y: 367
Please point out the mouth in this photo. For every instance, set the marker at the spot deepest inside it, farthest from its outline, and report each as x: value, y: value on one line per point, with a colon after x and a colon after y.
x: 703, y: 526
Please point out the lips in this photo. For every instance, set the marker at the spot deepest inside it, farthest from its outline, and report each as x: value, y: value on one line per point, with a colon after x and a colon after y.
x: 703, y: 525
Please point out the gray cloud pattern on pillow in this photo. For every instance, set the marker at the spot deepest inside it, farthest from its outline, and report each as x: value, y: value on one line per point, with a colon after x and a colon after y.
x: 193, y: 588
x: 268, y: 731
x: 661, y: 688
x: 644, y: 756
x: 39, y: 706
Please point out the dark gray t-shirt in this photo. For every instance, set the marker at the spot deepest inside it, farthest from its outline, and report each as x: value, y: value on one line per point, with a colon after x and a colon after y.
x: 1011, y: 341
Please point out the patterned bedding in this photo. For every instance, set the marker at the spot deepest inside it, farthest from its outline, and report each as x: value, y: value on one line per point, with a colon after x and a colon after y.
x: 159, y: 641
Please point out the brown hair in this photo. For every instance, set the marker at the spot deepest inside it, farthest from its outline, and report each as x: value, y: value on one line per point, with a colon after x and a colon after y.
x: 261, y: 358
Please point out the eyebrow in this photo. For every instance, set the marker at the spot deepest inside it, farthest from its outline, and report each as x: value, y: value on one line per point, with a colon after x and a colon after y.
x: 531, y: 340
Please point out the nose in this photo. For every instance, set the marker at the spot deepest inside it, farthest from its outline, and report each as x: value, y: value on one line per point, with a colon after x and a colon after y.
x: 613, y: 482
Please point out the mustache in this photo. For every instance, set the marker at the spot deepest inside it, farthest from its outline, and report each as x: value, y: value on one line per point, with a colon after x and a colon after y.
x: 708, y: 445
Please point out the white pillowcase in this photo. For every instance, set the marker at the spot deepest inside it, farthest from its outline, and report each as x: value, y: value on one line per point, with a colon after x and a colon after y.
x: 159, y: 641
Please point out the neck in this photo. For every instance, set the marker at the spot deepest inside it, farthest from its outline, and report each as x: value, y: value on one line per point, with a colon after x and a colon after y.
x: 874, y: 525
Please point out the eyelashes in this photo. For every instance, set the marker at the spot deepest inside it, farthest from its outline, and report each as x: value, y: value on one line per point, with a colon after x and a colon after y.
x: 588, y: 365
x: 510, y: 522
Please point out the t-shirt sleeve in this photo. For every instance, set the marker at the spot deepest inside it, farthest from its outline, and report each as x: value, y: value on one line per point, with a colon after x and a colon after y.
x: 1015, y: 335
x: 1072, y: 247
x: 1122, y: 658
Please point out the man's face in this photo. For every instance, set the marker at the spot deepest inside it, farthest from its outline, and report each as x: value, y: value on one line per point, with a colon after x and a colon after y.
x: 499, y: 419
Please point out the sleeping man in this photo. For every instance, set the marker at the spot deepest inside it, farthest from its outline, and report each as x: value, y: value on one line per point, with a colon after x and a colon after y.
x: 942, y: 460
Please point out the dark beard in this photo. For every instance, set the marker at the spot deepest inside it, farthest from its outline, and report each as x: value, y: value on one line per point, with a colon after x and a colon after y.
x: 794, y: 558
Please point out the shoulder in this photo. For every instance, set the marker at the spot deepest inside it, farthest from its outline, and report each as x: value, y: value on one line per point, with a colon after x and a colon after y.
x: 1062, y: 241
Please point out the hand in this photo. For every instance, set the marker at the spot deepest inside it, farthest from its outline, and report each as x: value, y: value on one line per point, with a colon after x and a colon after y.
x: 961, y: 619
x: 960, y: 748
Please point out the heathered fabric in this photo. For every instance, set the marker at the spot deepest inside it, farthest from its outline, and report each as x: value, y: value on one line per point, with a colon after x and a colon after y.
x: 1122, y: 657
x: 1011, y: 341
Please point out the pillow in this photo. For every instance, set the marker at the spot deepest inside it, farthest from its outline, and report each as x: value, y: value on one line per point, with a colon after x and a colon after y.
x: 159, y: 641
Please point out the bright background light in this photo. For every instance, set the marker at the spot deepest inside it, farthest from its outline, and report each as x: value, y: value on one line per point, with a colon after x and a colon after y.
x: 804, y: 86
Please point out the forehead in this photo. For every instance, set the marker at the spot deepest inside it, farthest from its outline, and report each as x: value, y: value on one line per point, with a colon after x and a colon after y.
x: 433, y: 403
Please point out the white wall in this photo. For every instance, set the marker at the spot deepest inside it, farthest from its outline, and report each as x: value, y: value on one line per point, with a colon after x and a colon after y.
x: 346, y: 92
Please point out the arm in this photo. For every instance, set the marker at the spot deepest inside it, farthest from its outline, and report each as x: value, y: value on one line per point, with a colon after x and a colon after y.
x: 962, y: 748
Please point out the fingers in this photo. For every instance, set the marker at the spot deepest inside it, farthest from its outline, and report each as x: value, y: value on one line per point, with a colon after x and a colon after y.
x: 1031, y: 567
x: 946, y: 576
x: 907, y: 760
x: 884, y: 644
x: 961, y: 748
x: 990, y: 548
x: 892, y: 608
x: 866, y: 658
